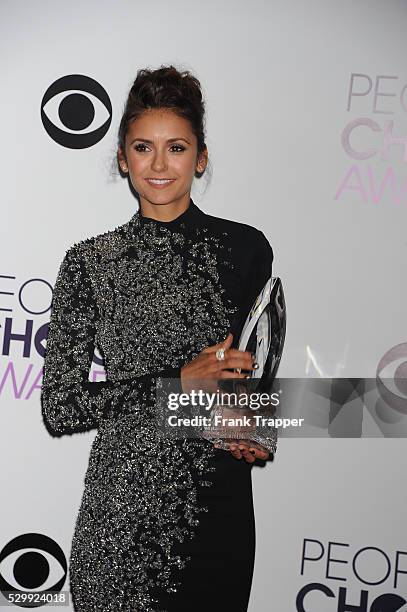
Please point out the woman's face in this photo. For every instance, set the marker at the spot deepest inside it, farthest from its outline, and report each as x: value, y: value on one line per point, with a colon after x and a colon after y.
x: 161, y: 145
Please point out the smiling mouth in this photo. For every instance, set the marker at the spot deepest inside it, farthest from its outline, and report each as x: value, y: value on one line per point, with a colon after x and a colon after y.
x: 159, y: 181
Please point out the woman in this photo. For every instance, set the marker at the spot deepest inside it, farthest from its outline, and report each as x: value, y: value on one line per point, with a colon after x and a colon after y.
x: 163, y: 524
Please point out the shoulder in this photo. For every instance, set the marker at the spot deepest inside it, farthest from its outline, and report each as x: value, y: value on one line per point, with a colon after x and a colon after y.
x: 103, y: 245
x: 248, y: 236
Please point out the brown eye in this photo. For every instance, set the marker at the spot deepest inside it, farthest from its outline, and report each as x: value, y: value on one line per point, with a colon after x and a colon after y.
x: 180, y: 147
x: 137, y: 147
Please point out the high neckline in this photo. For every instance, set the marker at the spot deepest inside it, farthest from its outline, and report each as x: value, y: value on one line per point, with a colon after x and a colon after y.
x: 188, y: 216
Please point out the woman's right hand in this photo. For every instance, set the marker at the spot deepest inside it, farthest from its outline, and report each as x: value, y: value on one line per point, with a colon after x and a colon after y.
x: 207, y: 366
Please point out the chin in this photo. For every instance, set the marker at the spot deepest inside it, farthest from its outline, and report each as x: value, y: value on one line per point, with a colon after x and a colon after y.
x: 157, y: 199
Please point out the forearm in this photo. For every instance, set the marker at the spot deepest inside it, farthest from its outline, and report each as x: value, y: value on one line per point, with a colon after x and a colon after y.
x: 80, y: 406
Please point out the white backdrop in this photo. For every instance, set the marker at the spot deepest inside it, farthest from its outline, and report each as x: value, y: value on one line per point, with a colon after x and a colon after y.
x: 306, y: 130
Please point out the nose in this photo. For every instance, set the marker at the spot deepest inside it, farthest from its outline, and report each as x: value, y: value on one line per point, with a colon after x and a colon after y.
x: 159, y: 163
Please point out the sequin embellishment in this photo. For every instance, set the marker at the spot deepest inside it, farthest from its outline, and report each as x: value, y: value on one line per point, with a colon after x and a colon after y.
x: 150, y: 298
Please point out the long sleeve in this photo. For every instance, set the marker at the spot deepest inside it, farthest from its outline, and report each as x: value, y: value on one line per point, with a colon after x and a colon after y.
x: 259, y: 271
x: 70, y: 402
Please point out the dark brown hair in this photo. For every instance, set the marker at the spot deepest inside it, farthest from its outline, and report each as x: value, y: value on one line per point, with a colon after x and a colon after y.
x: 166, y: 87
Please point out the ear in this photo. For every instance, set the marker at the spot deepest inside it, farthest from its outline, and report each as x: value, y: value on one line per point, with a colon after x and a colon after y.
x: 202, y: 161
x: 122, y: 160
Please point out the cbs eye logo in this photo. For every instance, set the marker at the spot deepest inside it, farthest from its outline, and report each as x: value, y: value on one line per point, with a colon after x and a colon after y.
x: 76, y: 111
x: 391, y: 377
x: 32, y: 562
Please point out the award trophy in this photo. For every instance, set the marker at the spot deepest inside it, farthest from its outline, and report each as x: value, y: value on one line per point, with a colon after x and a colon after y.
x: 263, y: 334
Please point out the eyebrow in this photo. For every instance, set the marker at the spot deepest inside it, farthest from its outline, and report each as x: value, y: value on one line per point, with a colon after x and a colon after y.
x: 151, y: 142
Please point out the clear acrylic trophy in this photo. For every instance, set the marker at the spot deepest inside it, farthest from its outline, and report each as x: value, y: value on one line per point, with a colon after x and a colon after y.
x: 263, y: 334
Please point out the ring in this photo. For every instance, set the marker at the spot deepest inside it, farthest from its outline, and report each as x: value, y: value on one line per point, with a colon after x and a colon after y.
x: 220, y: 354
x: 222, y: 444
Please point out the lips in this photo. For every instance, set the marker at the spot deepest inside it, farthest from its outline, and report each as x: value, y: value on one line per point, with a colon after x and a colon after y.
x: 155, y: 180
x: 159, y: 183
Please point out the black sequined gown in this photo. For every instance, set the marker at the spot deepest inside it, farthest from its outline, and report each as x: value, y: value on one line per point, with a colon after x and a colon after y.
x: 163, y: 524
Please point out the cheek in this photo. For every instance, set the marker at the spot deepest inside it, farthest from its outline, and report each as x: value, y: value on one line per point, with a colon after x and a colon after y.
x: 137, y: 165
x: 184, y: 164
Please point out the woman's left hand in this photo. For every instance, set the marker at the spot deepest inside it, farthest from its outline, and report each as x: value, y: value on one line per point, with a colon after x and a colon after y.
x: 248, y: 451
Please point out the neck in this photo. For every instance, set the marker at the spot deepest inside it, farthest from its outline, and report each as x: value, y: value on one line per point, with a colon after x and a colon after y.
x: 164, y: 212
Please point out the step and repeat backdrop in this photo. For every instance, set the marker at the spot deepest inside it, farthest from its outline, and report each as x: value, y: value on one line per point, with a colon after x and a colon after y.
x: 307, y: 136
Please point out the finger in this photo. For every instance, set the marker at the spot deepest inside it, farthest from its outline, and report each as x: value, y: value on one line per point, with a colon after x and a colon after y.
x: 235, y: 451
x: 244, y: 362
x: 247, y: 455
x: 228, y: 374
x: 209, y: 364
x: 243, y: 446
x: 259, y: 454
x: 226, y: 343
x: 233, y: 358
x: 233, y: 352
x: 245, y: 450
